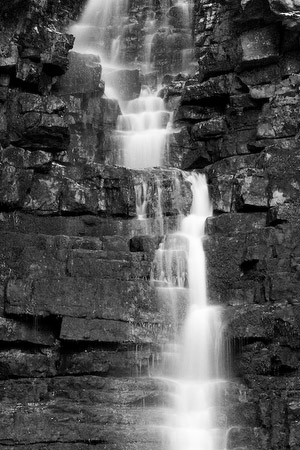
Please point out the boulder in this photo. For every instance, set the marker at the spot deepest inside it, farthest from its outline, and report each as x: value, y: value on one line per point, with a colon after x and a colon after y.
x: 125, y: 84
x: 260, y: 46
x: 83, y: 75
x: 36, y: 122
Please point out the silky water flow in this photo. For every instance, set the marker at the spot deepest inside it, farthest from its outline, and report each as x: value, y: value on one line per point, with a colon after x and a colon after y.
x: 193, y: 367
x: 104, y: 29
x: 193, y: 362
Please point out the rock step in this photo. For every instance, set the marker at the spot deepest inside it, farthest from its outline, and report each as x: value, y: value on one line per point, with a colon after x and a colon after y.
x: 90, y: 226
x: 121, y: 360
x: 95, y: 330
x: 40, y: 256
x: 87, y: 408
x: 127, y: 300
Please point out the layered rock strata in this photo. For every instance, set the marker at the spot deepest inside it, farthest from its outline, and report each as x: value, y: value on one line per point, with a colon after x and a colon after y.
x: 81, y: 326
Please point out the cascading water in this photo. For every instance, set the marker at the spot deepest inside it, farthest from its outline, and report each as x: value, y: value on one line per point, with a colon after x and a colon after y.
x: 100, y: 27
x: 143, y: 131
x: 156, y: 38
x: 193, y: 369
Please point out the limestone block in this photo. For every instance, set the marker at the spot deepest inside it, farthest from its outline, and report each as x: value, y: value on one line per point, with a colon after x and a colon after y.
x: 81, y: 297
x: 8, y: 56
x: 294, y: 434
x: 91, y: 263
x: 83, y: 75
x: 126, y: 84
x: 16, y: 331
x: 252, y: 189
x: 14, y: 183
x: 37, y: 122
x: 284, y: 182
x: 280, y: 118
x: 36, y: 256
x: 235, y: 223
x: 44, y: 195
x: 25, y: 159
x: 218, y: 88
x: 284, y: 286
x: 55, y: 52
x: 286, y: 9
x: 261, y: 75
x: 46, y: 45
x: 77, y: 329
x: 92, y: 120
x: 224, y: 252
x: 29, y: 71
x: 290, y: 63
x: 45, y: 131
x: 241, y: 184
x: 3, y: 93
x: 184, y: 152
x: 3, y: 125
x: 138, y: 361
x: 262, y: 91
x: 265, y: 359
x: 61, y: 410
x: 36, y: 103
x: 263, y: 321
x: 193, y: 113
x: 21, y: 364
x: 217, y: 58
x: 213, y: 128
x: 260, y: 46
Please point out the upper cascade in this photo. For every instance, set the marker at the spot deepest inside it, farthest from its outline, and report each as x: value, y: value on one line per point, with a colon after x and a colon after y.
x: 138, y: 42
x: 149, y: 35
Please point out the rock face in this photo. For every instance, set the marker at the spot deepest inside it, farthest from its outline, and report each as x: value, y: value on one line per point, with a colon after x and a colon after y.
x: 81, y: 324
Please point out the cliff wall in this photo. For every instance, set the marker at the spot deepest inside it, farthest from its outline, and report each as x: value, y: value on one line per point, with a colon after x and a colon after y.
x: 81, y: 326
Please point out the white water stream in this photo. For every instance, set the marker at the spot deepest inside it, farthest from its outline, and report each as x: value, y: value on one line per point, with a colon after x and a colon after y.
x: 142, y: 129
x: 196, y: 357
x: 105, y: 29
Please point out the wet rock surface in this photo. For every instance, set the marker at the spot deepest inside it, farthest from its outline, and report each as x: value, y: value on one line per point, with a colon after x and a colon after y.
x: 81, y: 325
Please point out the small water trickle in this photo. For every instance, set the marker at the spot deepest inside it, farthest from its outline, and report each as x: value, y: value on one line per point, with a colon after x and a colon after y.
x: 141, y: 199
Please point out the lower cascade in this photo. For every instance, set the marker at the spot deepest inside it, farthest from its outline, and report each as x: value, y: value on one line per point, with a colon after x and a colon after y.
x: 193, y: 361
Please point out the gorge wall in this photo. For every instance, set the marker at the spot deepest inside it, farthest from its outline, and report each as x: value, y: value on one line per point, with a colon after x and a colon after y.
x: 81, y: 326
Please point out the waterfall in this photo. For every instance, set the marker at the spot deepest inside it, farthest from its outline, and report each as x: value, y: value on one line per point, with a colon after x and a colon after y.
x: 99, y: 27
x: 194, y: 368
x: 155, y: 39
x: 142, y: 130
